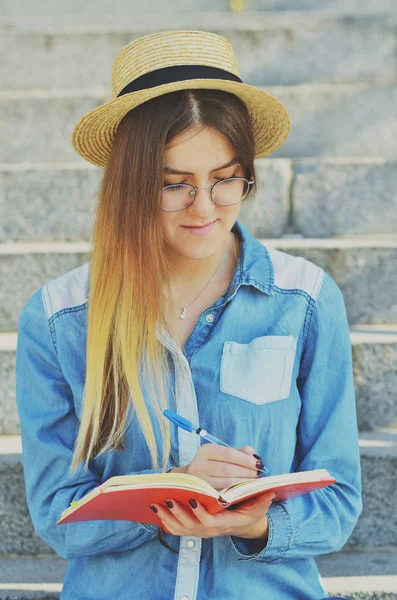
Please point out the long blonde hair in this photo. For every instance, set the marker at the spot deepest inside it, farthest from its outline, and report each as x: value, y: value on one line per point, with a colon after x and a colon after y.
x: 129, y: 268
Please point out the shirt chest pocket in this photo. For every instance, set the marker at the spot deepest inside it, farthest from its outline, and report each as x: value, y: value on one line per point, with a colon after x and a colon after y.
x: 260, y: 371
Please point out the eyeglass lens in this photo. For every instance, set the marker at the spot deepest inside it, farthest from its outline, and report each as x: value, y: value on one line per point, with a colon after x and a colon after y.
x: 226, y: 192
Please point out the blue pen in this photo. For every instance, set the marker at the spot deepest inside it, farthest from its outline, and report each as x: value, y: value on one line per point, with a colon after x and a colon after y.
x: 188, y: 426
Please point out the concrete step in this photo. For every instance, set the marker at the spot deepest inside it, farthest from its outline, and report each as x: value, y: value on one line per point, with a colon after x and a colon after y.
x: 272, y: 48
x: 102, y: 9
x: 375, y: 375
x: 377, y: 525
x: 314, y: 197
x: 27, y: 577
x: 327, y: 120
x: 331, y: 197
x: 362, y: 575
x: 351, y: 261
x: 374, y: 362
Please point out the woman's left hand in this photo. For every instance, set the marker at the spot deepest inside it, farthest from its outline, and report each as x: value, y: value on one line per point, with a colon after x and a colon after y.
x: 248, y: 520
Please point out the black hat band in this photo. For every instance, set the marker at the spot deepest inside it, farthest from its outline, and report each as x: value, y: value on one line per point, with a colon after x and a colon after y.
x: 176, y: 73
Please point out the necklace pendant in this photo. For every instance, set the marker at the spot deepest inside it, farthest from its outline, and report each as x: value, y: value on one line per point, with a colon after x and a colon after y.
x: 183, y: 313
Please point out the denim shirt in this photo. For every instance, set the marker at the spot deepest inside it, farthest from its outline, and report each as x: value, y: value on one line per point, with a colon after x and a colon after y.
x: 269, y: 364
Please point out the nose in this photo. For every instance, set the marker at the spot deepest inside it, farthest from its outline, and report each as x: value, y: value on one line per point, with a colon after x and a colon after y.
x: 203, y: 204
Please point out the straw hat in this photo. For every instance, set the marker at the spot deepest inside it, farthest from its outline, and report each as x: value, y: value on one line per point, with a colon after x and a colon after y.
x: 164, y: 62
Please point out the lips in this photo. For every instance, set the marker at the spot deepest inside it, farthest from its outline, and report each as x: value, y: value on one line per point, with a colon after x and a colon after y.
x: 199, y: 230
x: 198, y: 226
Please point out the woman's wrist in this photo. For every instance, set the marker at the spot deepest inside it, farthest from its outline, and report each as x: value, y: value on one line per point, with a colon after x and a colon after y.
x: 259, y: 531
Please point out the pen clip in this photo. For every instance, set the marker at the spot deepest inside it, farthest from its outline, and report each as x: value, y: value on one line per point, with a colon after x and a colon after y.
x: 178, y: 420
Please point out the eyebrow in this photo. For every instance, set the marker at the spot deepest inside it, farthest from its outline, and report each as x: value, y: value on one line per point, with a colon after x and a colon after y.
x: 170, y: 170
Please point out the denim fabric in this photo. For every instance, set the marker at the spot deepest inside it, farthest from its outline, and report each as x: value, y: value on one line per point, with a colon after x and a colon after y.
x: 270, y: 365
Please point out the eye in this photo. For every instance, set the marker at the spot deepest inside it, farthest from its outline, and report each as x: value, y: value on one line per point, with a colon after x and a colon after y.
x: 176, y: 187
x: 224, y: 178
x: 229, y: 176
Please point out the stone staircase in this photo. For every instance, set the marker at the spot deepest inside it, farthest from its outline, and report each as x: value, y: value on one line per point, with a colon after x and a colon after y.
x: 326, y: 194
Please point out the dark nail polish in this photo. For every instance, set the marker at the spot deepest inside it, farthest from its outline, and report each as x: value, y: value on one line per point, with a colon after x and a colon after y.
x: 258, y: 473
x: 257, y: 457
x: 169, y: 504
x: 259, y: 464
x: 193, y: 503
x: 154, y: 509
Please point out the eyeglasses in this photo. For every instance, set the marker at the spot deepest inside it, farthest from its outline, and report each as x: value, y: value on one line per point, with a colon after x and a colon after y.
x: 225, y: 192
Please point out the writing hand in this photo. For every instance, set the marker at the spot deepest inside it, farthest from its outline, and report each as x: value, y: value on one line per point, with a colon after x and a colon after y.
x: 222, y: 467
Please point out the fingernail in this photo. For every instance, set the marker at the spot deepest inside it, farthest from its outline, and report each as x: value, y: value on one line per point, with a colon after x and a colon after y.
x: 193, y: 503
x: 258, y: 473
x: 169, y: 504
x: 154, y: 509
x: 259, y: 464
x: 257, y: 457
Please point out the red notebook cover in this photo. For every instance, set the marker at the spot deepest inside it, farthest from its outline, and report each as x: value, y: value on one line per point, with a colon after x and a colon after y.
x: 133, y: 504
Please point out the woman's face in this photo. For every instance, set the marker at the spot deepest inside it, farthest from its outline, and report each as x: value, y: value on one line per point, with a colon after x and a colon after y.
x: 200, y: 157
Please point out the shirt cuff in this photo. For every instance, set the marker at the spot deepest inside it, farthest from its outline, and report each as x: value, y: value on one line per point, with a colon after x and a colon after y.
x: 279, y: 538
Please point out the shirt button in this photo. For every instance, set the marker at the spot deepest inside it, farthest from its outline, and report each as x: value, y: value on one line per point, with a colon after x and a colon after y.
x: 209, y: 318
x: 190, y: 543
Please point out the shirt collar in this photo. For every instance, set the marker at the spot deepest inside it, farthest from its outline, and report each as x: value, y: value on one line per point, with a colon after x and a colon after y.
x: 254, y: 266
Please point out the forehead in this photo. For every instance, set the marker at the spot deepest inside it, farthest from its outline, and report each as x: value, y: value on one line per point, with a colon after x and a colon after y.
x: 198, y: 150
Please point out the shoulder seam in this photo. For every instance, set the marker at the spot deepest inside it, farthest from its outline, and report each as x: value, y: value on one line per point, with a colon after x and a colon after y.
x: 45, y: 296
x: 66, y: 291
x: 318, y: 284
x: 311, y: 308
x: 311, y: 270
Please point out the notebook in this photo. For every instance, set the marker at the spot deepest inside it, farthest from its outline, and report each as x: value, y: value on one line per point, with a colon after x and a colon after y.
x: 127, y: 497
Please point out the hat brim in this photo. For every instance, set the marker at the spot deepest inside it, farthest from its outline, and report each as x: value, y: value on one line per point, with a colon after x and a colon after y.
x: 94, y: 133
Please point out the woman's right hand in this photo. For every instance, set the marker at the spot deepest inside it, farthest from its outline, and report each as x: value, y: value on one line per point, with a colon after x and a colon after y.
x: 221, y: 466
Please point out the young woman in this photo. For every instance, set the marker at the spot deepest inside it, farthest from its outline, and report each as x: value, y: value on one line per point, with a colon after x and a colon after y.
x: 181, y: 307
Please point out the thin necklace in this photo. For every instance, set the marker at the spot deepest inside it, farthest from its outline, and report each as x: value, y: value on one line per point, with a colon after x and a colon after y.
x: 183, y: 308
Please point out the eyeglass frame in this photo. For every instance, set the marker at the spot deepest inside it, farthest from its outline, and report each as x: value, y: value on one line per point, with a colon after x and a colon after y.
x: 211, y: 187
